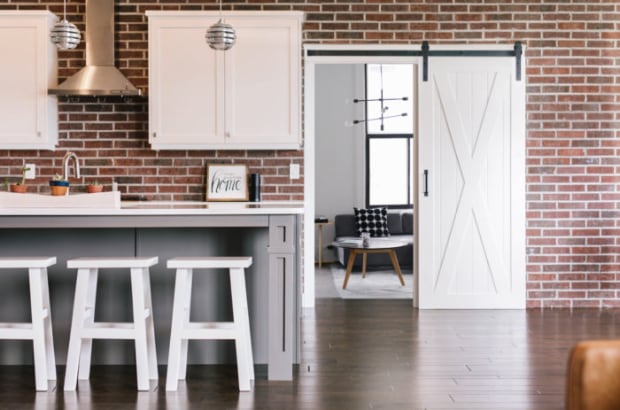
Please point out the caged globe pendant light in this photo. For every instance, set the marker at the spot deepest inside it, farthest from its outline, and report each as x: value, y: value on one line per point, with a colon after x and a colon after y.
x: 65, y: 35
x: 221, y: 36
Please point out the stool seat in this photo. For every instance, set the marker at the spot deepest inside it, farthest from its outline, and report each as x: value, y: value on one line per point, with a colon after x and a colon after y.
x: 27, y: 262
x: 210, y: 262
x: 183, y: 330
x: 39, y: 330
x: 84, y: 328
x: 112, y: 262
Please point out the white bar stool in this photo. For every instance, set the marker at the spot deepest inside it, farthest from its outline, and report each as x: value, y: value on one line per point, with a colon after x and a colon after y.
x: 84, y: 328
x: 183, y: 330
x: 40, y: 329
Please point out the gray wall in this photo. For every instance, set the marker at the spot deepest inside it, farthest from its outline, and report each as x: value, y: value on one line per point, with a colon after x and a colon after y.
x: 340, y: 148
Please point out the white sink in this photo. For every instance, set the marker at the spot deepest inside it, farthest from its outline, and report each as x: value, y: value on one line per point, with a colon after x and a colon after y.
x: 105, y: 200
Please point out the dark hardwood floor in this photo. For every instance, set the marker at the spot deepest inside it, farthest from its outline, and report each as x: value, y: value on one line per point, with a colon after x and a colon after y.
x: 367, y: 354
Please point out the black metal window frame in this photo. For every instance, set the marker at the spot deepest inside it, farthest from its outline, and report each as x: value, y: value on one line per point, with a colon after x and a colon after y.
x: 368, y: 138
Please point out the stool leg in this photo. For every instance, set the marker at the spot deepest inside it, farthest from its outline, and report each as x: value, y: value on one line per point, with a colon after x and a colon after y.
x: 89, y: 310
x: 150, y: 327
x: 176, y: 332
x: 184, y: 341
x: 246, y: 321
x: 77, y: 325
x: 139, y: 322
x: 240, y: 314
x: 49, y: 337
x: 38, y: 328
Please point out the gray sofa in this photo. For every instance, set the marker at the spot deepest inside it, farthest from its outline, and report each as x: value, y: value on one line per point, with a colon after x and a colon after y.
x: 400, y: 226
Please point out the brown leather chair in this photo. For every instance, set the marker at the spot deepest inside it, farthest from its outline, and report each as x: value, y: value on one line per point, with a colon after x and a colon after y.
x: 593, y: 381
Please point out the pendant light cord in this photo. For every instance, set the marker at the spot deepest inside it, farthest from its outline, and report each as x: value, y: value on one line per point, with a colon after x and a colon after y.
x: 383, y: 109
x: 64, y: 9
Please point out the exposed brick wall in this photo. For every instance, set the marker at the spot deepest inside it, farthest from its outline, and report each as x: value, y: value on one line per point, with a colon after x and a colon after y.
x: 573, y: 114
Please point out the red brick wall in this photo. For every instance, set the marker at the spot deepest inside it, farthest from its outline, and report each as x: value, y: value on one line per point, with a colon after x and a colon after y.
x: 573, y: 120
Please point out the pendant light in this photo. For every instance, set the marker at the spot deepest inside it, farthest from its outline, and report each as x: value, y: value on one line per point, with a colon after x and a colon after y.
x: 221, y: 36
x: 384, y: 107
x: 65, y: 35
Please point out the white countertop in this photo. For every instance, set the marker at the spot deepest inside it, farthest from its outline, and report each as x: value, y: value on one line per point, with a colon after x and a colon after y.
x: 169, y: 208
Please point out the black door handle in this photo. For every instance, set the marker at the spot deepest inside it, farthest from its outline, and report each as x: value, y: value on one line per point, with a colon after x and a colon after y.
x: 426, y: 182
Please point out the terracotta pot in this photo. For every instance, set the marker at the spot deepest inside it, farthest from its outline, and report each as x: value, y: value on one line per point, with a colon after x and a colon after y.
x: 59, y: 190
x: 59, y: 187
x: 92, y: 189
x: 18, y: 188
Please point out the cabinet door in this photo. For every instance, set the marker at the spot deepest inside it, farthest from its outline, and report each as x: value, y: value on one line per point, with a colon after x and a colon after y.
x: 25, y: 107
x: 262, y: 83
x: 185, y: 96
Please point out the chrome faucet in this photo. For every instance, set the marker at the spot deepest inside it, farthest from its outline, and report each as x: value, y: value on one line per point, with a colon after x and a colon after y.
x: 65, y: 165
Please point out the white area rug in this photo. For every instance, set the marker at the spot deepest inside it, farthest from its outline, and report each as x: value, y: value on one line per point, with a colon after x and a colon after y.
x: 378, y: 284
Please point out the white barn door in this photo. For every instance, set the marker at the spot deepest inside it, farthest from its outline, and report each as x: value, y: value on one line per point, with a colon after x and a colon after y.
x: 471, y: 201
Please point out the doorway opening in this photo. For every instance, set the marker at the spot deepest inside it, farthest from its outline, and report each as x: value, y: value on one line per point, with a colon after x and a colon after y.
x: 337, y: 145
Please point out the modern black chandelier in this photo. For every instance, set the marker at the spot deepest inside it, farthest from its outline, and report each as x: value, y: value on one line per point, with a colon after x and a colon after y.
x: 384, y: 107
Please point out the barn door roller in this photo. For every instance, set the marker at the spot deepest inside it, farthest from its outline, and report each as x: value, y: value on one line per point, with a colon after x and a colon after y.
x: 516, y: 52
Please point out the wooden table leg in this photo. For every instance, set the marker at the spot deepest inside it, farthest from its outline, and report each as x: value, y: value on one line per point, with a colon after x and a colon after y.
x: 364, y: 258
x: 320, y: 245
x: 396, y: 266
x: 349, y: 267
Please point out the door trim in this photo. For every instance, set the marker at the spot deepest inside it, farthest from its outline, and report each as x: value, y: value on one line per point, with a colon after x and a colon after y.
x: 389, y: 54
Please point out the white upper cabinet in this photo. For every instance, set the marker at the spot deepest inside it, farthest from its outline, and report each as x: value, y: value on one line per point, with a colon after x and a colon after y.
x: 28, y: 115
x: 184, y: 95
x: 247, y: 97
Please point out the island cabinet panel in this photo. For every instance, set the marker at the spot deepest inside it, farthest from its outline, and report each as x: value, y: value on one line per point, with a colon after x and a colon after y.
x: 268, y: 232
x: 247, y: 97
x: 28, y: 115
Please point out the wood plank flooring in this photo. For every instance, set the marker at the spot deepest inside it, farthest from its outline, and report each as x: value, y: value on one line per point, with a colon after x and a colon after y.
x: 367, y: 354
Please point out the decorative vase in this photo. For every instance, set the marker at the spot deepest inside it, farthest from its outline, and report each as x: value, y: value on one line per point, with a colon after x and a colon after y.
x: 18, y: 188
x: 59, y: 187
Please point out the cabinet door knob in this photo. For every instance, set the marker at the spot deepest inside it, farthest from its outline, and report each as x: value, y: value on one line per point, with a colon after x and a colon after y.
x: 39, y: 134
x: 154, y: 135
x: 227, y: 134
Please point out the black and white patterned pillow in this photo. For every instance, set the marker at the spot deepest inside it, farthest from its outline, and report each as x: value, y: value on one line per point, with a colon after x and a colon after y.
x: 373, y: 221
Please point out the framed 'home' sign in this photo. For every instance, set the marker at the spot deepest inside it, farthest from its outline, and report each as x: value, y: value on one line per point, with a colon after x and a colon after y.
x: 227, y: 182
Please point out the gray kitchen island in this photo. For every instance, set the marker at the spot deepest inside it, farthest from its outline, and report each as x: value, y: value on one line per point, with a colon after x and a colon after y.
x: 269, y: 232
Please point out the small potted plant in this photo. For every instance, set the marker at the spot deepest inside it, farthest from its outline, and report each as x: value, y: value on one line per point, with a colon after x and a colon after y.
x: 20, y: 186
x: 94, y: 187
x: 59, y: 186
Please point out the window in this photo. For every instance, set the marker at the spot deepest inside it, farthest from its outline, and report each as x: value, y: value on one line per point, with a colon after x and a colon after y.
x: 389, y: 135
